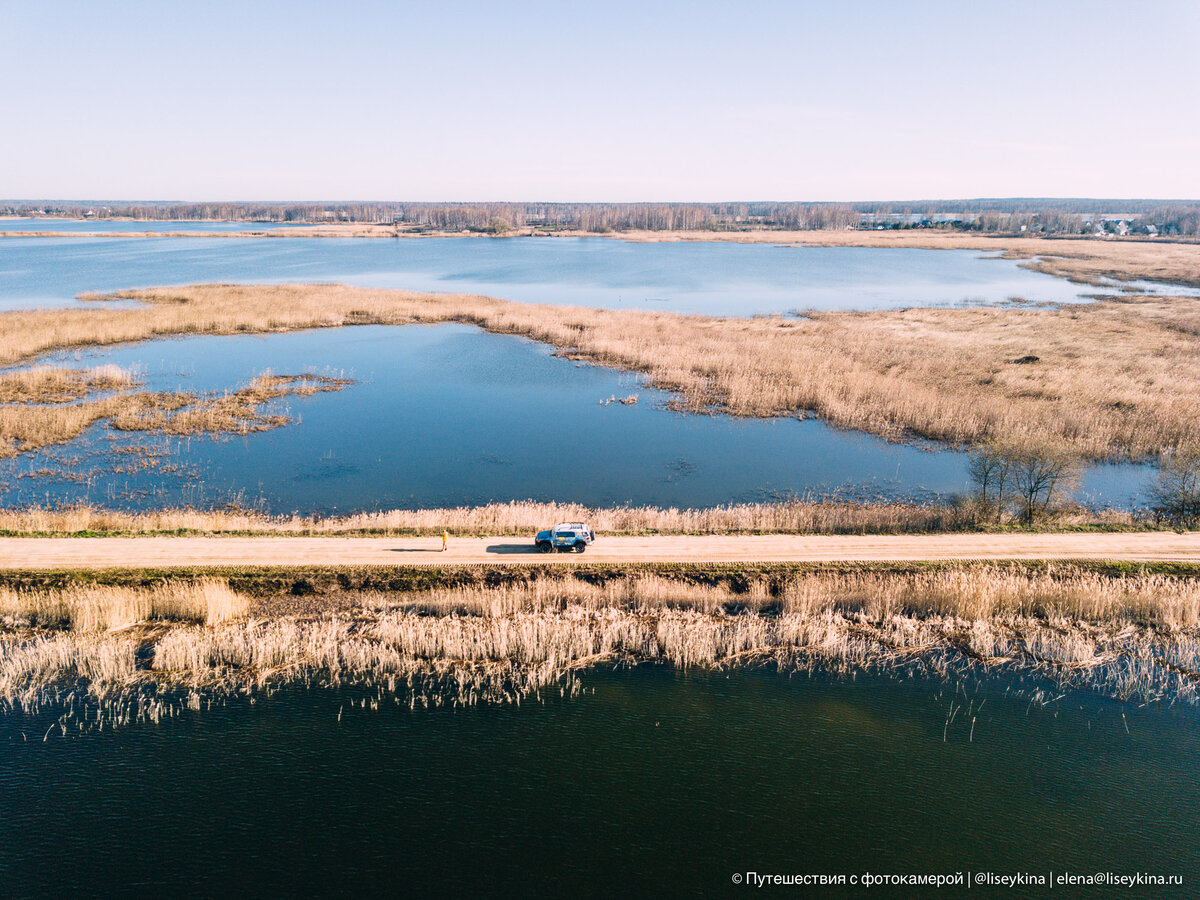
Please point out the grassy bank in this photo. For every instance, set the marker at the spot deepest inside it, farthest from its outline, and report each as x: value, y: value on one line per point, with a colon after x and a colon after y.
x: 139, y: 651
x: 527, y: 517
x: 309, y: 588
x: 1109, y: 380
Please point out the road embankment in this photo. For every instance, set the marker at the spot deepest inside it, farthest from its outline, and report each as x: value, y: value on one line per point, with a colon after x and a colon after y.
x: 194, y: 552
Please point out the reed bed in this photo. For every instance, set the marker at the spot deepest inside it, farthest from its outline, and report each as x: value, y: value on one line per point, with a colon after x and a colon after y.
x: 239, y: 412
x: 1107, y: 380
x: 980, y: 592
x: 25, y: 428
x: 90, y: 608
x: 136, y: 649
x: 37, y: 418
x: 796, y: 516
x: 56, y: 384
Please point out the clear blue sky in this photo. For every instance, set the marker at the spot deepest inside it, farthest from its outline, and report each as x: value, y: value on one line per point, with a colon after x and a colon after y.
x: 445, y: 100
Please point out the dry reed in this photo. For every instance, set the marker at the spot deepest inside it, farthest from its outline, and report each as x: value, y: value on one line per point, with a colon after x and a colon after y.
x: 53, y: 384
x: 1126, y: 636
x: 239, y: 412
x: 797, y: 516
x: 27, y: 425
x: 1111, y: 380
x: 106, y: 608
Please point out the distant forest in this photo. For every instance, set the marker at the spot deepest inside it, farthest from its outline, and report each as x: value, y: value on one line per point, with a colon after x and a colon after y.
x: 1043, y: 216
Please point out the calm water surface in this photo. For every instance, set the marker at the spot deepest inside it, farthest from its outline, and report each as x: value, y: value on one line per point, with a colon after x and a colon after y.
x: 715, y: 278
x: 658, y: 782
x: 448, y: 415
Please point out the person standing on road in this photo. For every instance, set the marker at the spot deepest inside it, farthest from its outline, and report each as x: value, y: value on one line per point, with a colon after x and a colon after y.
x: 445, y: 537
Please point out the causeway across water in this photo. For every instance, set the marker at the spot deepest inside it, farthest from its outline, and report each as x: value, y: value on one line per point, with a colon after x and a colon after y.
x: 168, y: 552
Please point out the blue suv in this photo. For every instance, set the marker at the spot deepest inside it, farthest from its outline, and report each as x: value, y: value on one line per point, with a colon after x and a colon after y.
x: 565, y: 538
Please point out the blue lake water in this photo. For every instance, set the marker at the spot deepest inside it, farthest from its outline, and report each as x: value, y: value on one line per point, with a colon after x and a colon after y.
x: 654, y: 782
x: 699, y: 277
x: 448, y: 415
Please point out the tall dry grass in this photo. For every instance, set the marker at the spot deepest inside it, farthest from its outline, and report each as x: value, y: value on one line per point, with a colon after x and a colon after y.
x: 24, y: 428
x: 38, y: 405
x: 238, y: 412
x: 89, y: 608
x: 56, y: 384
x: 41, y: 420
x: 798, y: 516
x: 1111, y: 380
x: 1127, y: 636
x: 980, y: 592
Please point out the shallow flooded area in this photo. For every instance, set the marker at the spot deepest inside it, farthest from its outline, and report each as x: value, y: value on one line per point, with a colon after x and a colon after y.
x: 649, y: 779
x: 450, y: 416
x: 447, y: 415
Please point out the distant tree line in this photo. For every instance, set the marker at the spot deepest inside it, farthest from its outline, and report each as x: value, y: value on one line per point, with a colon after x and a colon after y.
x: 1019, y: 216
x: 484, y: 217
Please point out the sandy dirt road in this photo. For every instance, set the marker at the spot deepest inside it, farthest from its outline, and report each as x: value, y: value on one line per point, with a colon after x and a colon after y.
x: 162, y: 552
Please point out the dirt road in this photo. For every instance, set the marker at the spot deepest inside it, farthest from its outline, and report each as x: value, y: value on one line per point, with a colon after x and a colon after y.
x: 160, y: 552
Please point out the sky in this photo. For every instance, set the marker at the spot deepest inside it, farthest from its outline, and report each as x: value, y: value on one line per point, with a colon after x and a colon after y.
x: 447, y: 100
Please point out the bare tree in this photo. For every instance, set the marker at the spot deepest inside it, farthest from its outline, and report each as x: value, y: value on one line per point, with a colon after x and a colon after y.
x: 1175, y: 495
x: 1040, y: 475
x: 990, y: 468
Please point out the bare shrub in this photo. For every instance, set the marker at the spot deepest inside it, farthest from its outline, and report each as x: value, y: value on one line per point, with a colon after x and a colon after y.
x: 1175, y: 495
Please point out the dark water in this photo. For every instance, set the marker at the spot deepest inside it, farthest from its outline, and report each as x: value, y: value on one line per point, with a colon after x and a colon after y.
x: 448, y: 415
x: 716, y: 278
x: 658, y: 782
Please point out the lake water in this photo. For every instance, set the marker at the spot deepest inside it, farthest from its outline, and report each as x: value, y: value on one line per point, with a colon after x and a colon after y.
x: 712, y: 278
x: 653, y: 781
x: 448, y: 415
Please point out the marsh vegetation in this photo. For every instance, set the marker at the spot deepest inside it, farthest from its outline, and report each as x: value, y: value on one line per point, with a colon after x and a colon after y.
x: 1109, y: 380
x: 48, y: 405
x: 136, y: 650
x: 797, y: 516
